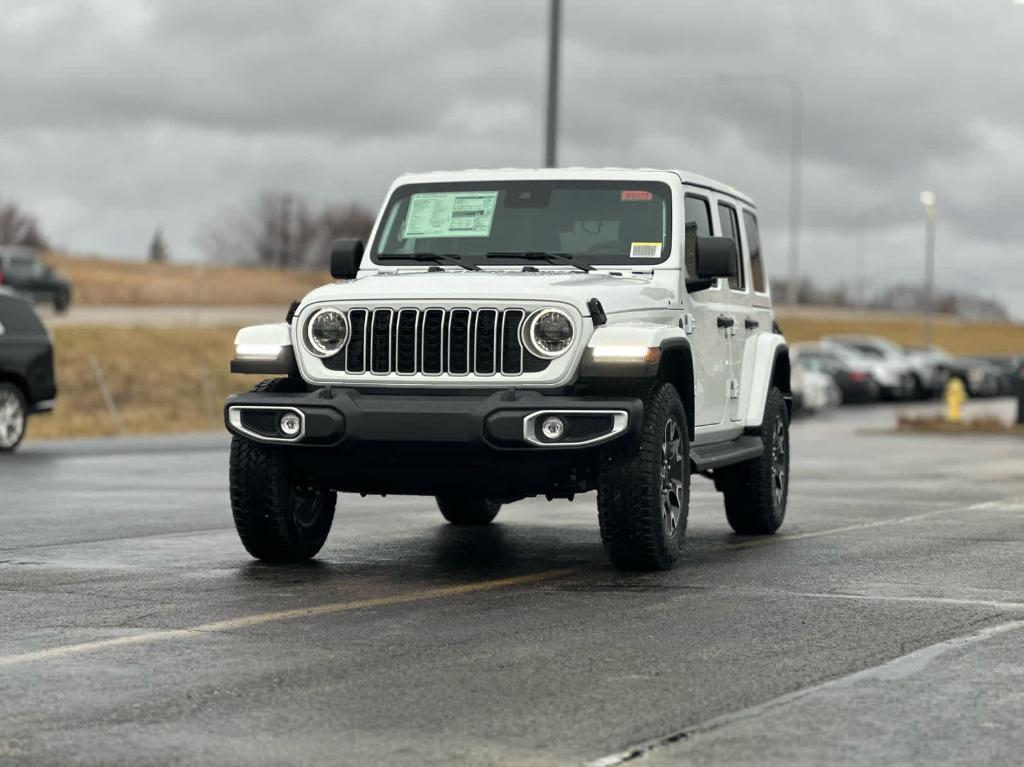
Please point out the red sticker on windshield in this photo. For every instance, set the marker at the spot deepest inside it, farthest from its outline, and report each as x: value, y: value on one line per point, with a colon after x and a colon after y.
x: 632, y: 195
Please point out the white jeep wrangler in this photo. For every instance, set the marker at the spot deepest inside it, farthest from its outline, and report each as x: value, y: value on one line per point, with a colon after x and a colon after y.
x: 515, y: 333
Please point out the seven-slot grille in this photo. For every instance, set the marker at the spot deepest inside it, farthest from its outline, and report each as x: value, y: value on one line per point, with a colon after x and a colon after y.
x: 435, y: 341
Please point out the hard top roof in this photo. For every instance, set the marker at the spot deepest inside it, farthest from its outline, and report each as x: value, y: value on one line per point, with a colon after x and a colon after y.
x: 575, y: 172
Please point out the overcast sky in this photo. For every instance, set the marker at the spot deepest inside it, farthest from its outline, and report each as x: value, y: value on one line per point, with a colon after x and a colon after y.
x: 122, y: 115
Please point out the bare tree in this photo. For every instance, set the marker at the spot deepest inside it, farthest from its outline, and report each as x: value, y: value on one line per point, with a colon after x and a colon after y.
x: 335, y: 223
x: 157, y: 247
x: 279, y: 229
x: 19, y: 228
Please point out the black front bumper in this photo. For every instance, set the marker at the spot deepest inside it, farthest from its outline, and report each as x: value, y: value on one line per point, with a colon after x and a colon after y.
x: 506, y: 420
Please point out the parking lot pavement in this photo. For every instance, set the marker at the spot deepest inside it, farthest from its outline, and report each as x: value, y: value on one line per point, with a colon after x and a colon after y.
x: 881, y: 625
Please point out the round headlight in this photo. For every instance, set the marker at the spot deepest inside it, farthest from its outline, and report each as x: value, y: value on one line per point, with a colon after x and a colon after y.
x: 549, y: 333
x: 326, y: 332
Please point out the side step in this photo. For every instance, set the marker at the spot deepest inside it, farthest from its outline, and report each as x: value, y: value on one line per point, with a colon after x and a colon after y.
x: 707, y: 457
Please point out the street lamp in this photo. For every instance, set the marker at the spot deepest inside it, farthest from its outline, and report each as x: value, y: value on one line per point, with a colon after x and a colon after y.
x: 928, y: 200
x: 796, y: 128
x: 551, y: 121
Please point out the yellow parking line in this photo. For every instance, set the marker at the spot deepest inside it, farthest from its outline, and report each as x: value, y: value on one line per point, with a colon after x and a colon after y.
x: 258, y: 619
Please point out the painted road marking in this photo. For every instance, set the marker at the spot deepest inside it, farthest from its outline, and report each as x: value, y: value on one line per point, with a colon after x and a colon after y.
x: 897, y: 669
x: 258, y: 619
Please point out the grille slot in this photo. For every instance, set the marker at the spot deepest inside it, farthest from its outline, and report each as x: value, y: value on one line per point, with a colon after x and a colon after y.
x: 434, y: 341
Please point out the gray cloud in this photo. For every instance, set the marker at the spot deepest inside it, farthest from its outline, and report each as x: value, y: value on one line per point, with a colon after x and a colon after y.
x: 122, y: 115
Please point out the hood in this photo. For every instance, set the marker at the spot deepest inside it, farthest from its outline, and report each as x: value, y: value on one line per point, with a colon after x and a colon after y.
x: 616, y: 293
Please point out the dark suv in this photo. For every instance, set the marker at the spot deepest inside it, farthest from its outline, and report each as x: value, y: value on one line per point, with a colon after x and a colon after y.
x: 26, y: 368
x: 22, y: 269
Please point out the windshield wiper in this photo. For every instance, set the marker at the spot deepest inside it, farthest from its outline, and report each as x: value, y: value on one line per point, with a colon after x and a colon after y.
x: 539, y: 255
x: 437, y: 258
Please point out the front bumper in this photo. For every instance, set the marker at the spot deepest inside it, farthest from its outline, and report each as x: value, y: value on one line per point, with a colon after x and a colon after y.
x: 508, y: 420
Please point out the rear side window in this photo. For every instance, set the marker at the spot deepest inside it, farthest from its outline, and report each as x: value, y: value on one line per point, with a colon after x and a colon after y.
x: 17, y: 316
x: 698, y: 224
x: 754, y: 246
x: 730, y: 228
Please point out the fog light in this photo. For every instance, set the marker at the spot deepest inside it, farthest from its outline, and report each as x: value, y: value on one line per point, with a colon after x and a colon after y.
x: 552, y: 427
x: 290, y: 424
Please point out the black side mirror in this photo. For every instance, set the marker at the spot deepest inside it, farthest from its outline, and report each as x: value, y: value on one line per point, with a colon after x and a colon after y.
x: 717, y: 257
x: 346, y: 255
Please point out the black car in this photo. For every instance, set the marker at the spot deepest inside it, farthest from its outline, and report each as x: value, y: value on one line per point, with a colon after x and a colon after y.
x: 26, y: 368
x: 1011, y: 369
x: 856, y: 385
x: 24, y: 271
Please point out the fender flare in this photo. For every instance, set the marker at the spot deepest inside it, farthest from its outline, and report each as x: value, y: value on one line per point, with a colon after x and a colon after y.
x: 765, y: 364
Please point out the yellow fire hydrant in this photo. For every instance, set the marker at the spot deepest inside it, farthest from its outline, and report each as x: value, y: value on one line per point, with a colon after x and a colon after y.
x: 956, y: 395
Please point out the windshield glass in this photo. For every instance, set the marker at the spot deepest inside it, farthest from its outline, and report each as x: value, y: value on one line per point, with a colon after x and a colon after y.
x: 503, y: 222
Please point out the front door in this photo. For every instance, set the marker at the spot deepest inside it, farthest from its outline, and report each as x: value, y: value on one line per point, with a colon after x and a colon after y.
x: 708, y: 331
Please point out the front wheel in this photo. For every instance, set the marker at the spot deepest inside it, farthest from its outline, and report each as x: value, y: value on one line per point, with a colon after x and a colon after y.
x: 278, y: 518
x: 468, y: 509
x: 756, y: 491
x: 643, y: 497
x: 13, y: 416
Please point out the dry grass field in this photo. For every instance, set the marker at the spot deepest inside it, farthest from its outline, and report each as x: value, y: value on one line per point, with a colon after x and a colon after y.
x: 161, y: 380
x: 956, y: 336
x: 112, y: 282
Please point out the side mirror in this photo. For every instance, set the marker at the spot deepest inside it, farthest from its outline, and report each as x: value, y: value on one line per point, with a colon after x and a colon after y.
x: 346, y: 256
x: 717, y: 257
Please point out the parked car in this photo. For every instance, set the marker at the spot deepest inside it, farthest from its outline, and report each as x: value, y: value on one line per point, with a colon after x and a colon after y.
x: 26, y: 368
x: 856, y: 384
x: 893, y: 375
x: 813, y: 390
x: 517, y: 333
x: 23, y: 270
x: 981, y: 377
x: 933, y: 366
x: 927, y: 379
x: 1011, y: 368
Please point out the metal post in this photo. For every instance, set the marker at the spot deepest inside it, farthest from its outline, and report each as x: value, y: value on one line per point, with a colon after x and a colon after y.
x: 551, y: 127
x: 795, y: 173
x: 928, y: 199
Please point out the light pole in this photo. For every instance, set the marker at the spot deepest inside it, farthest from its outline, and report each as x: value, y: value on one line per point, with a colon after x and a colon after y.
x: 796, y: 130
x: 928, y: 200
x: 551, y: 122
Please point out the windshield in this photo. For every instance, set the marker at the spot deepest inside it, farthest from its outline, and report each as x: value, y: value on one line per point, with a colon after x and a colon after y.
x: 510, y: 222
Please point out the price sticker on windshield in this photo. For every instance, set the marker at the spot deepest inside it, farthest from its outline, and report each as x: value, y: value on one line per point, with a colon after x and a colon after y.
x: 450, y: 214
x: 644, y: 249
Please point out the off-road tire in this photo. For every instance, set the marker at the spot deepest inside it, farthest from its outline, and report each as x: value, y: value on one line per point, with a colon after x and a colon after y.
x: 279, y: 516
x: 632, y: 490
x: 61, y: 302
x: 14, y: 419
x: 755, y: 503
x: 468, y: 509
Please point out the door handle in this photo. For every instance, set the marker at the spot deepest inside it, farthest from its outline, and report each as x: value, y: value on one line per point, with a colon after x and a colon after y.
x: 750, y: 324
x: 725, y: 322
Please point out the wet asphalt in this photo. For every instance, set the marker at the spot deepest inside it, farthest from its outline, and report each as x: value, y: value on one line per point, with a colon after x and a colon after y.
x: 884, y: 624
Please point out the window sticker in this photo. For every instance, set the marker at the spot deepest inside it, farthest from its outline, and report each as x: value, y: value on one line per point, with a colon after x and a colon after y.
x: 450, y: 214
x: 635, y: 195
x: 644, y: 249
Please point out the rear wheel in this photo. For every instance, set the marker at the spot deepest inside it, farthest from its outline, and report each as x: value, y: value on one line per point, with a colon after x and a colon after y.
x: 643, y: 497
x: 756, y: 491
x: 13, y: 416
x: 468, y: 509
x: 279, y: 514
